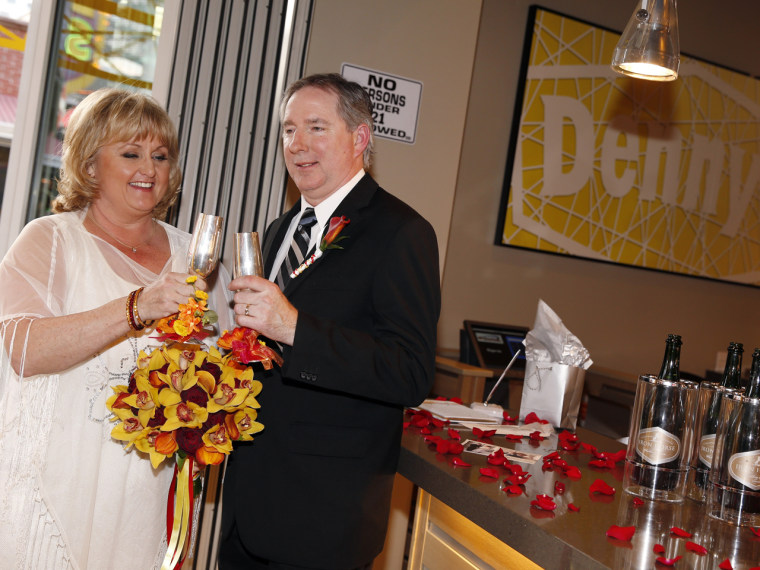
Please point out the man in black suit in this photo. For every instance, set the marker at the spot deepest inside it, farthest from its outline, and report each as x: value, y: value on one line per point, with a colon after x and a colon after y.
x: 357, y: 325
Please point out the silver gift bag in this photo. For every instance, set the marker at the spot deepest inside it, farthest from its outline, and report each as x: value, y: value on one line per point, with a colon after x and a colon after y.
x: 553, y: 391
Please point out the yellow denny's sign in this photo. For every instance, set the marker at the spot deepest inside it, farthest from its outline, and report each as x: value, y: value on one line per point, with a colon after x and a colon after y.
x: 658, y: 175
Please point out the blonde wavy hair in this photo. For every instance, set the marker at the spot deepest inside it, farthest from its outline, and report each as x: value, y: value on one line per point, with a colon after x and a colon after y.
x: 104, y: 117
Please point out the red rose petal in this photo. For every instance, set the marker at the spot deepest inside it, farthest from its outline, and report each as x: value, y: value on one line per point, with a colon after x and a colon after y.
x: 442, y: 446
x: 573, y: 508
x: 532, y: 418
x: 725, y: 565
x: 659, y: 549
x: 588, y: 447
x: 420, y: 420
x: 482, y: 434
x: 457, y: 400
x: 544, y: 502
x: 618, y: 456
x: 513, y: 437
x: 514, y: 468
x: 519, y: 479
x: 755, y: 531
x: 454, y: 434
x: 425, y: 431
x: 637, y: 502
x: 489, y: 472
x: 600, y: 463
x: 569, y: 445
x: 513, y: 489
x: 668, y: 561
x: 680, y: 532
x: 455, y: 448
x: 573, y: 472
x: 536, y: 436
x: 552, y: 456
x: 694, y: 547
x: 567, y: 436
x: 621, y: 532
x: 459, y: 462
x: 559, y: 487
x: 494, y: 459
x: 406, y: 424
x: 602, y: 488
x: 509, y: 419
x: 437, y: 422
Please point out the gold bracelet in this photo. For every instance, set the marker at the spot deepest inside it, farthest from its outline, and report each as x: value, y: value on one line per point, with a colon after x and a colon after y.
x: 130, y: 318
x: 141, y: 324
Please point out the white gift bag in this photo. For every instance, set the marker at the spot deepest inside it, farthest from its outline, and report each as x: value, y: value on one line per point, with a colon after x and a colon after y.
x: 553, y: 391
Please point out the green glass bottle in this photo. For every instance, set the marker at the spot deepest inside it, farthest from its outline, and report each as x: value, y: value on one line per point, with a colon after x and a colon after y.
x: 753, y: 386
x: 730, y: 381
x: 662, y: 416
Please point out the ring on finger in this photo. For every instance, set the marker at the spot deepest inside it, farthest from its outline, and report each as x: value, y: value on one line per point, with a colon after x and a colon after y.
x: 246, y: 310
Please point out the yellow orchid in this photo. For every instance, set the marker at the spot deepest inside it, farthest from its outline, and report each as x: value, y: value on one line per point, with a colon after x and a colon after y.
x: 242, y: 424
x: 226, y: 397
x: 129, y: 430
x: 254, y: 389
x: 184, y: 414
x: 144, y: 399
x: 183, y: 355
x: 178, y: 378
x: 116, y: 404
x: 217, y: 438
x: 159, y: 445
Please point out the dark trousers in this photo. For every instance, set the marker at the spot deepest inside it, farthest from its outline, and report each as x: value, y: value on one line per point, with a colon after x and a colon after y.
x: 234, y: 556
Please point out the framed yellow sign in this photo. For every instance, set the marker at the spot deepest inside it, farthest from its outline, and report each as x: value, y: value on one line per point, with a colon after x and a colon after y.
x: 662, y: 176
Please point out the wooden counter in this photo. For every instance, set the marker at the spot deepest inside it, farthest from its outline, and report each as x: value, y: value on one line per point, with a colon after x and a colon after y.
x: 561, y: 538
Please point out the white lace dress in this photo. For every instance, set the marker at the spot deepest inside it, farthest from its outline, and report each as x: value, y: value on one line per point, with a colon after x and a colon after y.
x: 71, y: 497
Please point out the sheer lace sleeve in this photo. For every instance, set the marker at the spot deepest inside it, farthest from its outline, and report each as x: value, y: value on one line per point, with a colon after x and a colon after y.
x: 33, y: 274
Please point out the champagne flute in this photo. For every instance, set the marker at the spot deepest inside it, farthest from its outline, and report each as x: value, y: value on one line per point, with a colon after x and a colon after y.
x: 205, y: 245
x: 248, y: 260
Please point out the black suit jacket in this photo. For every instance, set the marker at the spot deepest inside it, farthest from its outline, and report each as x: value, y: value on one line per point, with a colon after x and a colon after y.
x: 314, y: 487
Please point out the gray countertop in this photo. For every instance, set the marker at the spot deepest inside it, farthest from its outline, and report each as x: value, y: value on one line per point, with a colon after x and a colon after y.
x: 562, y: 538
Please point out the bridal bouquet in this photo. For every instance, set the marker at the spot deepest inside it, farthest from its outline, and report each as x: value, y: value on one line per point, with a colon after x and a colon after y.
x: 188, y: 402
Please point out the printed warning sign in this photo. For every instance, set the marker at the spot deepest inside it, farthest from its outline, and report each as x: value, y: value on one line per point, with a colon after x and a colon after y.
x: 395, y: 101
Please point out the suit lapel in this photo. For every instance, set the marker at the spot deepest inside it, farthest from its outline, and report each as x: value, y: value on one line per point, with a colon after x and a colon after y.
x: 353, y: 207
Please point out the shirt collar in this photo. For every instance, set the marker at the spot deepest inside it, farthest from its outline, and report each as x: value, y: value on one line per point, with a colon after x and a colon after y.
x: 325, y: 209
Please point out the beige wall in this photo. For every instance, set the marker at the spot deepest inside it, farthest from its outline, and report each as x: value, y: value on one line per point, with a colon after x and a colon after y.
x: 454, y: 173
x: 431, y: 41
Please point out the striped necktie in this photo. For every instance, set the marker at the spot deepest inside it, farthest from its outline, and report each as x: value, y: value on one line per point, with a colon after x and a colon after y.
x: 298, y: 247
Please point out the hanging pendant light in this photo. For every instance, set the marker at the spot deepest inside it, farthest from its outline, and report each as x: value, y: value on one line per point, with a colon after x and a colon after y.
x: 648, y: 48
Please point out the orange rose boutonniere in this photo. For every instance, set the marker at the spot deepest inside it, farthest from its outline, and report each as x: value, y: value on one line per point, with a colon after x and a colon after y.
x: 329, y: 241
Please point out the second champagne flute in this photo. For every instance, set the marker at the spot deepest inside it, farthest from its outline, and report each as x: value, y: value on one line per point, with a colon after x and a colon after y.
x: 248, y: 260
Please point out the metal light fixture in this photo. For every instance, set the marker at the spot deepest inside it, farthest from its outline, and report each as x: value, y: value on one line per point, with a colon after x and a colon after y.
x: 648, y: 48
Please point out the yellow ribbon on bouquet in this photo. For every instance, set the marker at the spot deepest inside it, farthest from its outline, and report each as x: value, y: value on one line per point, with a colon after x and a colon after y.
x: 179, y: 516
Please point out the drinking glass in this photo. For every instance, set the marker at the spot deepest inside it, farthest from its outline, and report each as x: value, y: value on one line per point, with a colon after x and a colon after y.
x: 205, y: 245
x: 247, y: 260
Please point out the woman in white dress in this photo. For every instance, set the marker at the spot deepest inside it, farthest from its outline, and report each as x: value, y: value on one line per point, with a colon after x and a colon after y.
x: 72, y: 497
